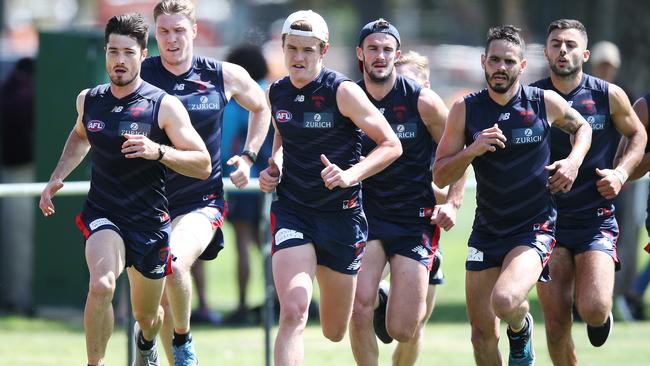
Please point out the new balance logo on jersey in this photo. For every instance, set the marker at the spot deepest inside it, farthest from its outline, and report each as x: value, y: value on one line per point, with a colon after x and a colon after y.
x: 117, y: 109
x: 474, y: 255
x: 159, y: 269
x: 179, y: 87
x: 382, y: 110
x: 421, y: 251
x: 570, y: 103
x: 504, y: 116
x: 299, y: 98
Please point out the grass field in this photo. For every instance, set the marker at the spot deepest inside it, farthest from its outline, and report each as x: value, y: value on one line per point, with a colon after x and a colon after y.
x: 36, y: 342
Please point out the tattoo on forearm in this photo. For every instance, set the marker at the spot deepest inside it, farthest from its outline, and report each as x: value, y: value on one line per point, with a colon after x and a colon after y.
x: 571, y: 124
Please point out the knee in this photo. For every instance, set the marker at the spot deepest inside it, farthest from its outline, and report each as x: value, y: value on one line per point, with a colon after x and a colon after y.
x: 504, y: 304
x: 403, y: 333
x: 102, y: 288
x: 147, y: 320
x: 362, y: 311
x: 294, y: 313
x: 334, y: 333
x: 594, y: 313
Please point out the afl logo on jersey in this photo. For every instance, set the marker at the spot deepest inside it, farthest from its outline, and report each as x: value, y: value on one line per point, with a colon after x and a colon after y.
x: 95, y: 125
x: 283, y: 116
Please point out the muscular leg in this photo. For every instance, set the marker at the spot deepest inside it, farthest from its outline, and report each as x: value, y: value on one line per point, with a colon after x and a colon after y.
x: 105, y: 256
x: 594, y: 286
x: 191, y: 234
x: 145, y: 301
x: 406, y: 353
x: 362, y: 333
x: 167, y: 328
x: 556, y: 298
x: 336, y: 301
x: 519, y: 273
x: 484, y: 323
x: 293, y: 273
x: 407, y: 298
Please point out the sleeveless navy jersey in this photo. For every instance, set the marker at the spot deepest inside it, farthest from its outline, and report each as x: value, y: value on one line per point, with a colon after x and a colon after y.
x: 511, y: 192
x: 402, y: 192
x: 591, y: 100
x: 201, y: 90
x: 129, y: 191
x: 311, y: 124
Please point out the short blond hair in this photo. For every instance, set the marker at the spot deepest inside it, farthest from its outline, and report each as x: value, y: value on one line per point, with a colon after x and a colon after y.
x: 420, y: 62
x: 169, y: 7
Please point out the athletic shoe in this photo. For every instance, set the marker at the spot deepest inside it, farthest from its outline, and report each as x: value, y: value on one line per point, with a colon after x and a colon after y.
x: 379, y: 319
x: 144, y: 358
x: 185, y: 355
x: 521, y: 345
x: 598, y: 335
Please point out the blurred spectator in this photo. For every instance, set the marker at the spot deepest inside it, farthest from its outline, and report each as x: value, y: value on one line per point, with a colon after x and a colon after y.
x: 244, y: 208
x: 605, y: 61
x: 17, y: 213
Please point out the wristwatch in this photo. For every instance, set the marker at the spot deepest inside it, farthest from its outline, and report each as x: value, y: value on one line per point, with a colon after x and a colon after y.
x: 161, y: 151
x: 251, y: 155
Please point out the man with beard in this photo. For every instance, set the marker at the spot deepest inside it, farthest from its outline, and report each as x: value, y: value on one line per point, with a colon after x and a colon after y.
x: 130, y: 125
x: 399, y: 201
x: 504, y: 132
x: 584, y: 259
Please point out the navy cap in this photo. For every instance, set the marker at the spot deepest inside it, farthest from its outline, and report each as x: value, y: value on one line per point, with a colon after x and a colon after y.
x: 380, y: 25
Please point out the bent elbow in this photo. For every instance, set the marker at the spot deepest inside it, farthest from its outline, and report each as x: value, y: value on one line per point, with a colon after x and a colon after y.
x: 207, y: 171
x: 398, y: 151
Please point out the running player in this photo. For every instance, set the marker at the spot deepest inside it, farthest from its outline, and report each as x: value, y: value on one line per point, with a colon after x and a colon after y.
x: 318, y: 225
x: 131, y: 127
x: 197, y: 207
x: 584, y: 258
x: 399, y: 201
x: 504, y: 131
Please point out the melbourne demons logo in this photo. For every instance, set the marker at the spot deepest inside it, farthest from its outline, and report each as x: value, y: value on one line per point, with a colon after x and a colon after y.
x: 95, y: 125
x: 283, y: 116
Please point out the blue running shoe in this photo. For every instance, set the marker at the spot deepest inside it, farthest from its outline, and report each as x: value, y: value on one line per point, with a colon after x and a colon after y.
x: 598, y: 335
x: 521, y: 345
x: 185, y: 355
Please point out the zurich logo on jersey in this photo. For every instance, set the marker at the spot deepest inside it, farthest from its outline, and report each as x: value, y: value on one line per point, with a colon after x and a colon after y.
x: 95, y: 125
x: 283, y: 116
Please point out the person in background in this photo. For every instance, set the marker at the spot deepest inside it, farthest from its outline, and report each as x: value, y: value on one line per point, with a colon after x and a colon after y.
x: 17, y: 244
x: 244, y: 208
x: 605, y: 62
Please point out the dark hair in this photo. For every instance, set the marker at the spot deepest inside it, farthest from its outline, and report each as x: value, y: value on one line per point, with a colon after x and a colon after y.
x: 568, y: 24
x: 249, y: 57
x: 508, y: 33
x: 131, y: 25
x: 303, y: 25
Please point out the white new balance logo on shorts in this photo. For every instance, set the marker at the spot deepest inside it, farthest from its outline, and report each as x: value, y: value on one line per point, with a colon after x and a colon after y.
x: 474, y: 255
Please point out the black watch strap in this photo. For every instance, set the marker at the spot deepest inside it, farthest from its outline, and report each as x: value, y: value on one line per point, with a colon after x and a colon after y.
x: 161, y: 151
x: 251, y: 155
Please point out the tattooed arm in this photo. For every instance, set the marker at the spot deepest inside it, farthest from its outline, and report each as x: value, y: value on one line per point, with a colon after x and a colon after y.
x: 561, y: 115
